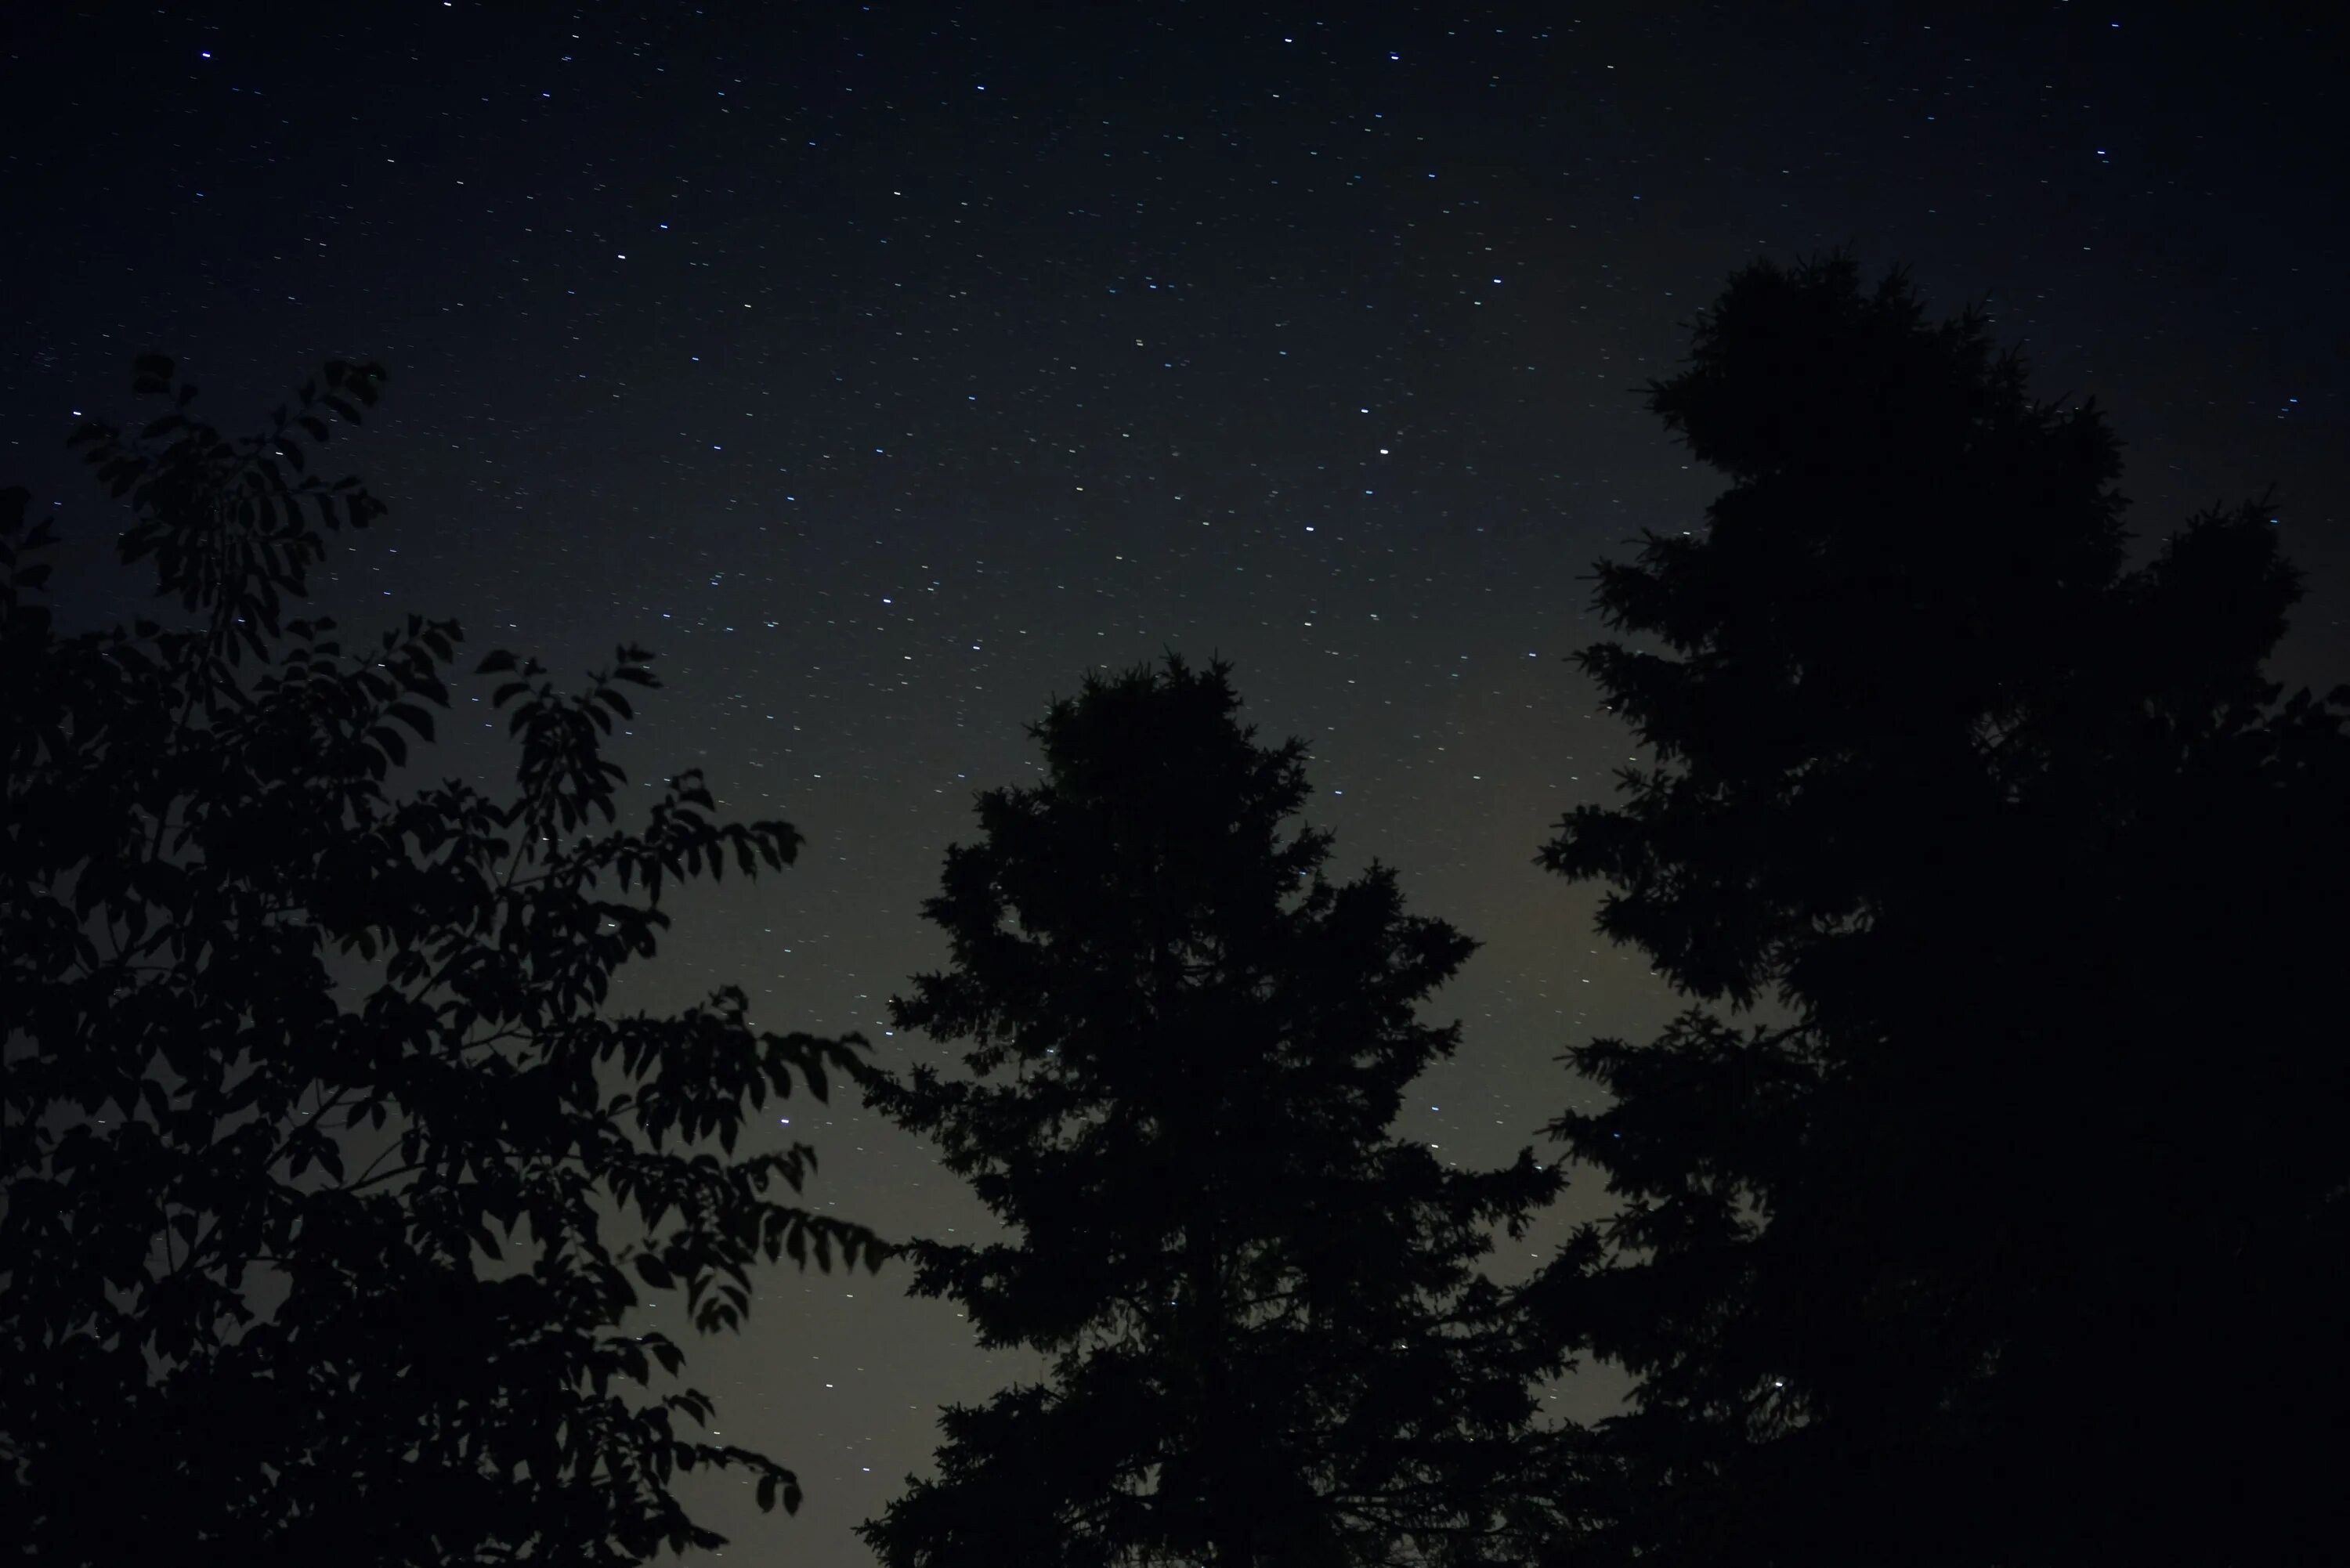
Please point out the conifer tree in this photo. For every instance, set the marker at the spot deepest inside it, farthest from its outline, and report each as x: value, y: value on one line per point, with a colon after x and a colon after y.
x: 1184, y: 1045
x: 2018, y: 1235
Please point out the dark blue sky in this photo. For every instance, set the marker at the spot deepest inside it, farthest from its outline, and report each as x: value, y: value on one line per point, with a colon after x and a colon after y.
x: 882, y: 368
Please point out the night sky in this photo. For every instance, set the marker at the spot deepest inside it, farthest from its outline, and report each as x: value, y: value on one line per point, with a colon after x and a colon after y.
x: 883, y: 367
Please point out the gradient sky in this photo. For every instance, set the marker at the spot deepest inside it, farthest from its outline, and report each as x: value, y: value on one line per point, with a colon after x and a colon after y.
x: 883, y: 367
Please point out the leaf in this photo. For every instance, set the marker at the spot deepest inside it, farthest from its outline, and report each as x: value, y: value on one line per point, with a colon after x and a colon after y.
x: 302, y: 939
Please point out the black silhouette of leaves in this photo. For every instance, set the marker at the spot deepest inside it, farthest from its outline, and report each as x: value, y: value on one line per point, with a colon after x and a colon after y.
x: 330, y: 1177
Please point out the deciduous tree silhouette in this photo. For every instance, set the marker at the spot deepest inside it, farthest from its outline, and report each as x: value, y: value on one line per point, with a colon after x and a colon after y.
x: 1268, y: 1341
x: 2023, y: 1240
x: 330, y: 1179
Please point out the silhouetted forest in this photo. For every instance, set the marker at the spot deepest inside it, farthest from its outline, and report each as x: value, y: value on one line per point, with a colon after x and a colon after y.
x: 2005, y: 891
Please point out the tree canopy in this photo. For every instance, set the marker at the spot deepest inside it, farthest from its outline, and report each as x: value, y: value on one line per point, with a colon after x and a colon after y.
x: 2018, y: 1236
x: 1184, y: 1045
x: 330, y: 1176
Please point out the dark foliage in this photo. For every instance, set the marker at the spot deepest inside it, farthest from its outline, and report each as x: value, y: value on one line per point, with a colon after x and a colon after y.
x: 2022, y: 1239
x: 329, y: 1179
x: 1269, y: 1342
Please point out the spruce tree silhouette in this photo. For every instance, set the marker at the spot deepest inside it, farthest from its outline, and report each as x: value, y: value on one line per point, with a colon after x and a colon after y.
x: 2023, y: 1241
x: 293, y: 1060
x: 1268, y: 1341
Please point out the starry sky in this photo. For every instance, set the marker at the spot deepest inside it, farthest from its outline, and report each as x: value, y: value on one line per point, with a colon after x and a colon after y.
x: 884, y: 366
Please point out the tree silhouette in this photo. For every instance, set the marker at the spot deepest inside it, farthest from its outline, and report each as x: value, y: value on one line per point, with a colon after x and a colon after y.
x: 330, y: 1179
x: 2022, y: 1238
x: 1268, y: 1341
